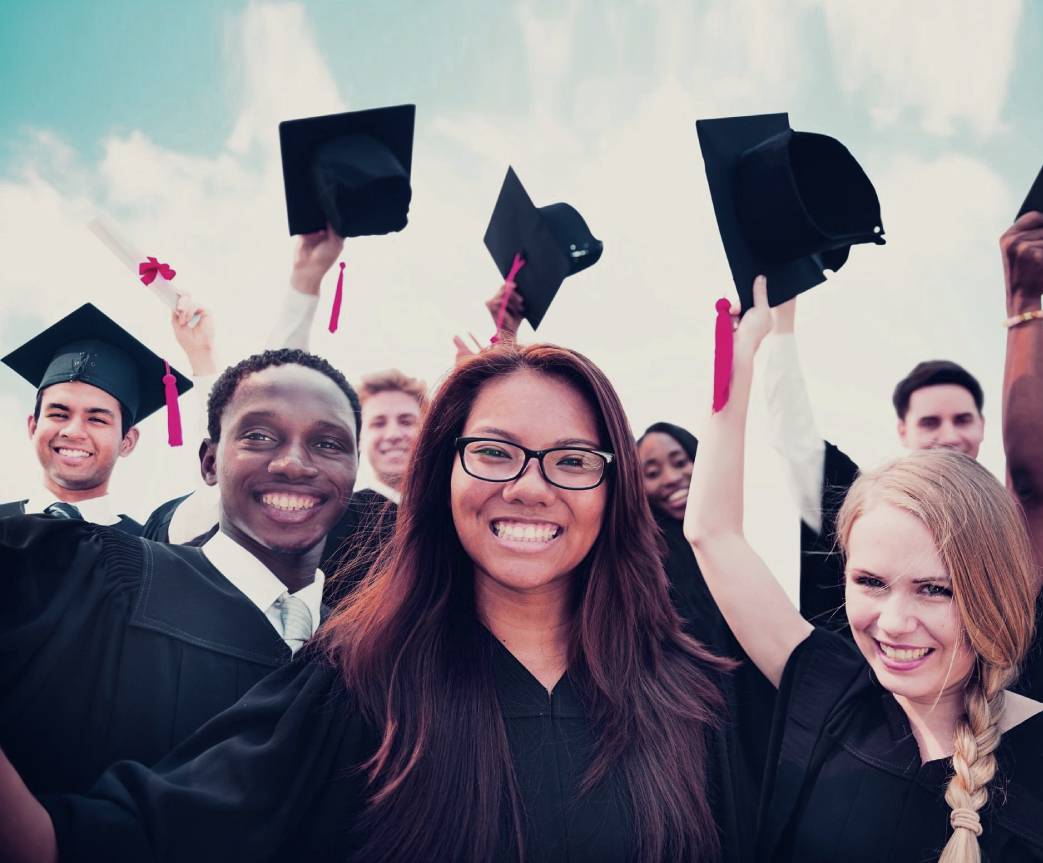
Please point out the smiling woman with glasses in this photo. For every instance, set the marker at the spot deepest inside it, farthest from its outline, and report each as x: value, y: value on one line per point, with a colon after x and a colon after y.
x: 509, y: 682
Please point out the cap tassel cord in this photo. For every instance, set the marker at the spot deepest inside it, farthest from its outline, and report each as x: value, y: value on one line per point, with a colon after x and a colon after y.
x: 724, y: 336
x: 338, y: 298
x: 173, y: 413
x: 518, y: 263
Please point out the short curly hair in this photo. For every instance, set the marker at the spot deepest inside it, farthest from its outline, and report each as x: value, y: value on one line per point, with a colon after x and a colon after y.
x: 224, y: 387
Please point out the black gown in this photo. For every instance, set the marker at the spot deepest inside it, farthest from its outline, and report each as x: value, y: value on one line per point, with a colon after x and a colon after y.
x: 750, y: 695
x: 125, y: 523
x: 846, y: 781
x: 275, y: 778
x: 114, y: 647
x: 354, y: 542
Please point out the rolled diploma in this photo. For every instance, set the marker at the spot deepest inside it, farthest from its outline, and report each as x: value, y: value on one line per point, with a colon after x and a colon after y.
x: 160, y: 287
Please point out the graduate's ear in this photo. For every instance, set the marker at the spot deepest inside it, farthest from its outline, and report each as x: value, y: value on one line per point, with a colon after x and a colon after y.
x: 901, y: 433
x: 32, y: 426
x: 130, y: 440
x: 208, y: 461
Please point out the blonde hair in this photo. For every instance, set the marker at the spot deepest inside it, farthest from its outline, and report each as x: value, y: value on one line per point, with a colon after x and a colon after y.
x: 980, y: 534
x: 393, y: 380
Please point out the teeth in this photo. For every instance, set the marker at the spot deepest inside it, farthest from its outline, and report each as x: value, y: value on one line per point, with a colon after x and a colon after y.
x: 678, y: 496
x: 289, y: 502
x: 904, y: 654
x: 526, y: 532
x: 73, y: 453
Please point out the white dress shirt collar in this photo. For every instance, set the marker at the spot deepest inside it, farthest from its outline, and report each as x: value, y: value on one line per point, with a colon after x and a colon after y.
x: 97, y: 510
x: 258, y: 583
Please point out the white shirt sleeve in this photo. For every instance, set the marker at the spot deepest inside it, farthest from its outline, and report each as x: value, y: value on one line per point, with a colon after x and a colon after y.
x: 792, y: 426
x: 293, y: 326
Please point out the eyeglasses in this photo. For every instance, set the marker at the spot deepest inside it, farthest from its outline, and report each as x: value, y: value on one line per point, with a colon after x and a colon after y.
x: 572, y: 468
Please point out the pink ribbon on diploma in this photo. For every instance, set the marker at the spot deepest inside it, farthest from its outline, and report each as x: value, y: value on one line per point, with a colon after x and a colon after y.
x: 518, y: 263
x: 150, y: 268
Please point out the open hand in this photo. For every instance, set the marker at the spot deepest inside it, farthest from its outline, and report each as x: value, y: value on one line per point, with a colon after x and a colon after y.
x: 315, y: 254
x: 197, y: 342
x: 1022, y: 249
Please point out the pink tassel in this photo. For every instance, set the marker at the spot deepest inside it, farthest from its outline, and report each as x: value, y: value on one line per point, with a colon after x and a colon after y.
x: 518, y: 263
x: 337, y: 299
x: 722, y: 354
x: 173, y: 413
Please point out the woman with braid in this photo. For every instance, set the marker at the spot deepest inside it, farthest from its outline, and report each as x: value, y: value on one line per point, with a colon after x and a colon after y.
x: 907, y: 745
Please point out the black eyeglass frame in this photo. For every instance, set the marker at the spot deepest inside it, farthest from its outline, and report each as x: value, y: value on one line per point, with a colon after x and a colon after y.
x: 539, y: 455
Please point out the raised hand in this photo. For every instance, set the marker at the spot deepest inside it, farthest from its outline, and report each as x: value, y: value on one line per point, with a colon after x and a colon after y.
x: 755, y: 324
x: 1022, y: 249
x: 513, y: 313
x: 314, y: 255
x: 196, y: 341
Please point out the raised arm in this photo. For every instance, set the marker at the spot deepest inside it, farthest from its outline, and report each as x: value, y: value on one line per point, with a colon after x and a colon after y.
x: 1022, y: 249
x: 753, y: 603
x: 312, y: 259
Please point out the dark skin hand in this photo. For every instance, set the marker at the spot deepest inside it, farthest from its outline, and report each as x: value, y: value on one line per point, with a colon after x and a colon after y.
x: 1022, y: 249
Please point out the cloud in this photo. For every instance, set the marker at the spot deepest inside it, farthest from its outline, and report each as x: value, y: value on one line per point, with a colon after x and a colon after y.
x: 945, y: 63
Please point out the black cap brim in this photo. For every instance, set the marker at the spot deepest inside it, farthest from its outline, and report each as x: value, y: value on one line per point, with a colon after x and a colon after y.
x: 1034, y: 199
x: 723, y: 141
x: 88, y: 346
x: 300, y: 142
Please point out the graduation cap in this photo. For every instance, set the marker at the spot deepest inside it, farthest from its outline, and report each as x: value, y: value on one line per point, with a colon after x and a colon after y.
x: 87, y: 345
x: 553, y: 241
x: 351, y: 170
x: 1034, y: 199
x: 788, y: 204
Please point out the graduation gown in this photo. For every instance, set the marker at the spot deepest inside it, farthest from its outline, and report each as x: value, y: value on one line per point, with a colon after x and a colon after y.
x: 114, y: 647
x: 275, y: 779
x: 351, y: 547
x: 125, y: 522
x: 846, y: 781
x: 821, y: 563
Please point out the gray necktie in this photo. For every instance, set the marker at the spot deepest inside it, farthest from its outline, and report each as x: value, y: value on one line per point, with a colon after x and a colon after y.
x: 295, y: 620
x: 63, y: 510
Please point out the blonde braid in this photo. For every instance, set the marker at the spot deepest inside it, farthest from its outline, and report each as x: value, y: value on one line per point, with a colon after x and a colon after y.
x: 974, y: 764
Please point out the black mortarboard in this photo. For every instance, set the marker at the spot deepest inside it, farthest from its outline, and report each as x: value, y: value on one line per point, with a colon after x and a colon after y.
x: 88, y: 346
x: 351, y: 170
x: 1034, y: 199
x: 553, y: 240
x: 788, y: 204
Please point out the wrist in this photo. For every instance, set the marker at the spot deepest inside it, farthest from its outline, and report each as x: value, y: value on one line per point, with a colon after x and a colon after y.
x: 202, y: 362
x: 303, y: 284
x: 1017, y: 303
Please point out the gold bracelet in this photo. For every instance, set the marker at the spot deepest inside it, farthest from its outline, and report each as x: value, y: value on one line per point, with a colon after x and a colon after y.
x: 1034, y: 315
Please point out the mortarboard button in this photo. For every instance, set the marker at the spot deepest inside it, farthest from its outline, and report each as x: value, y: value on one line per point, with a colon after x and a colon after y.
x: 350, y: 170
x: 554, y: 242
x: 88, y: 346
x: 788, y: 204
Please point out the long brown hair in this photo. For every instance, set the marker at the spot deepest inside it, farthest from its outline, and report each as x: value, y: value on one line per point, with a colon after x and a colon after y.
x: 982, y: 542
x: 410, y: 647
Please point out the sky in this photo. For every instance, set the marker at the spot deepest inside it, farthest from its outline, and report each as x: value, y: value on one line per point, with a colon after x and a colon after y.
x: 164, y: 117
